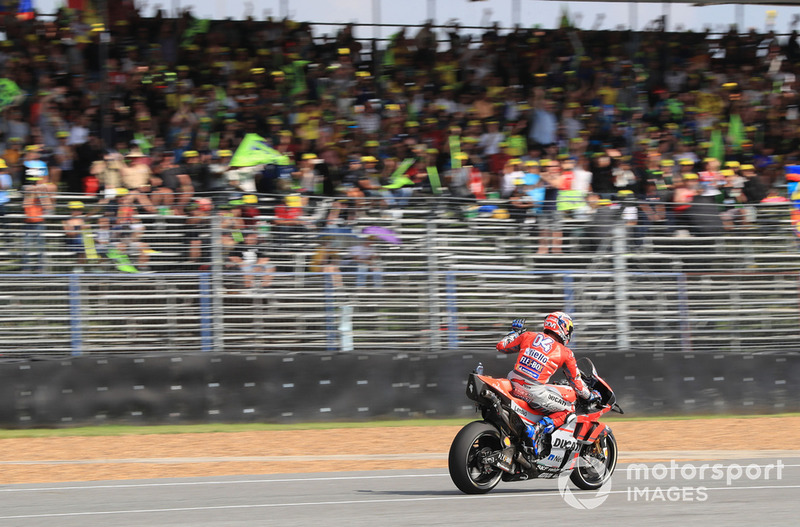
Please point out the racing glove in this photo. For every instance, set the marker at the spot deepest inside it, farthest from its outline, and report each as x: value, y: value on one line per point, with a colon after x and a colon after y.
x: 518, y: 325
x: 594, y: 397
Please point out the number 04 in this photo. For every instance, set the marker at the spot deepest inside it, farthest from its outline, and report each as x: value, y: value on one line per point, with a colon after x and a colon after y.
x: 542, y: 341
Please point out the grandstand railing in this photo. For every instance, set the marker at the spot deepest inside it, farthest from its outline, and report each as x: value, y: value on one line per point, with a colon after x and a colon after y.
x: 460, y: 272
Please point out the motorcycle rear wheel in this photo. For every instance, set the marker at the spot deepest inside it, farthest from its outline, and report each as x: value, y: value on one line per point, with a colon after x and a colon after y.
x: 596, y: 464
x: 465, y: 461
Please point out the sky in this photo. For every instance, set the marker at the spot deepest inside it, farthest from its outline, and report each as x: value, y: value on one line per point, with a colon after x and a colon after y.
x: 602, y: 15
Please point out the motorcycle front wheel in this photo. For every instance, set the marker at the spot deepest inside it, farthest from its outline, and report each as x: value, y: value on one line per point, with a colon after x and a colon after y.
x: 596, y: 464
x: 466, y: 461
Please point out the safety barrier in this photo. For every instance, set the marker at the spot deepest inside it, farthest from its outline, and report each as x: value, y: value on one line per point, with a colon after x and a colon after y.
x: 214, y: 387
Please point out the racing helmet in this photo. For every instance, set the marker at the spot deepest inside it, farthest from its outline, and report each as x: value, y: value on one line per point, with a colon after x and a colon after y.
x: 560, y: 325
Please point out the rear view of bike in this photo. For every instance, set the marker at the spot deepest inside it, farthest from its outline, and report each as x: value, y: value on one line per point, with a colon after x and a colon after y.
x: 496, y: 449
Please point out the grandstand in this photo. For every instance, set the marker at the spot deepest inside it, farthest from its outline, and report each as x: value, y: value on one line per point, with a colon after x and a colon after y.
x: 450, y: 285
x: 464, y: 262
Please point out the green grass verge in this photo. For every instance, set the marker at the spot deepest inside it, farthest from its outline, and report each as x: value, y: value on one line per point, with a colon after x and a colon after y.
x: 118, y: 430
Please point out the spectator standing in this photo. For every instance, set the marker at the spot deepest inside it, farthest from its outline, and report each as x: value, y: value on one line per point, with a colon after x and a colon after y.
x: 544, y: 124
x: 6, y: 184
x: 550, y: 231
x: 603, y: 176
x: 197, y: 234
x: 364, y: 257
x: 38, y: 201
x: 686, y: 188
x: 35, y: 170
x: 74, y: 228
x: 326, y: 259
x: 512, y: 177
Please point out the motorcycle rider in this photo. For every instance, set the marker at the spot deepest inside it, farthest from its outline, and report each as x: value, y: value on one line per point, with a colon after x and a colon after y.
x: 541, y: 354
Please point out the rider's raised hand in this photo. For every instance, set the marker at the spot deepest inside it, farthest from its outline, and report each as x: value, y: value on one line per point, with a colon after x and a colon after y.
x: 518, y: 325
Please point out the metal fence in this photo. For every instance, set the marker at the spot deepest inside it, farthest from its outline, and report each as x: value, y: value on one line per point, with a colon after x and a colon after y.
x: 451, y: 281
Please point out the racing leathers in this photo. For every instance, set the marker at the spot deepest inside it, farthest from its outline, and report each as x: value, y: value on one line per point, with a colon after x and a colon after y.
x: 540, y: 356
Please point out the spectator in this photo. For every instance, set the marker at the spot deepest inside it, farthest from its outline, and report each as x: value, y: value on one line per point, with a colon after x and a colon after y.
x: 512, y: 177
x: 37, y: 202
x: 249, y: 258
x: 108, y: 172
x: 35, y: 169
x: 74, y: 229
x: 543, y: 121
x: 686, y: 188
x: 172, y: 185
x: 365, y: 260
x: 489, y: 100
x: 64, y: 162
x: 289, y: 220
x: 197, y: 234
x: 217, y: 172
x: 327, y: 259
x: 520, y: 204
x: 136, y: 177
x: 197, y: 170
x: 6, y: 184
x: 550, y: 230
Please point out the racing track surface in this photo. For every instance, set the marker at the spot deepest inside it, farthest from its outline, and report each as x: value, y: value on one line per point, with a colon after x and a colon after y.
x: 417, y: 497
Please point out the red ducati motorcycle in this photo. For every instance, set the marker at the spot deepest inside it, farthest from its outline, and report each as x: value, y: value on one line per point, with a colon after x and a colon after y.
x: 486, y: 452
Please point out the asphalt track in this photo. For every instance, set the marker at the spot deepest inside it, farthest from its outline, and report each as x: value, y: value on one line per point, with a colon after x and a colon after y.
x: 732, y: 491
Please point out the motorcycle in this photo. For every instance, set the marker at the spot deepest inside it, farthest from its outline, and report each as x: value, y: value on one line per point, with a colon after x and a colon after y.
x: 497, y: 448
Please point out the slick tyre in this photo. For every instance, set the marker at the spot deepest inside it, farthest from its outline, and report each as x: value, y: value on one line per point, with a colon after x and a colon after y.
x: 596, y: 463
x: 470, y: 447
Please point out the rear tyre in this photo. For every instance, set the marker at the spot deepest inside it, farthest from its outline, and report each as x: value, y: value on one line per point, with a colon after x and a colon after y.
x: 596, y: 463
x: 466, y: 459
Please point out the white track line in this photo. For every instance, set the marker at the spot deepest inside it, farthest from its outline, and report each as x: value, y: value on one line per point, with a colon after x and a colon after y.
x: 218, y: 482
x: 624, y: 457
x: 121, y: 485
x: 345, y: 502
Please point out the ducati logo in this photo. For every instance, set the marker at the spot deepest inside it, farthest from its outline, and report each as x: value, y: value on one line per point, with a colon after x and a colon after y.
x: 563, y: 443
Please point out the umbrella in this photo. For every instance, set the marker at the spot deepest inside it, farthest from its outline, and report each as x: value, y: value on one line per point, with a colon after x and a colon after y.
x: 387, y: 235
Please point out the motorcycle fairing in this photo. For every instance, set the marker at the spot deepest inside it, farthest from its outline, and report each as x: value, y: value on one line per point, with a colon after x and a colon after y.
x: 588, y: 429
x: 523, y: 409
x: 563, y: 448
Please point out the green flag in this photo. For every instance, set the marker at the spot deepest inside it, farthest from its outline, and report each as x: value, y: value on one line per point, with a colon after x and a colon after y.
x: 736, y: 131
x: 565, y: 22
x: 252, y: 151
x: 200, y: 26
x: 144, y: 144
x: 399, y: 178
x: 717, y: 149
x: 455, y: 148
x: 9, y: 92
x: 388, y: 55
x: 299, y: 76
x: 433, y: 177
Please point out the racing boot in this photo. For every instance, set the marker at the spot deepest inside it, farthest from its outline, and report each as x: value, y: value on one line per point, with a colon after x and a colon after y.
x: 536, y: 433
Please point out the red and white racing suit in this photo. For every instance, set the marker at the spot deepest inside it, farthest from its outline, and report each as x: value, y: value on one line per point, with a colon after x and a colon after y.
x: 540, y: 356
